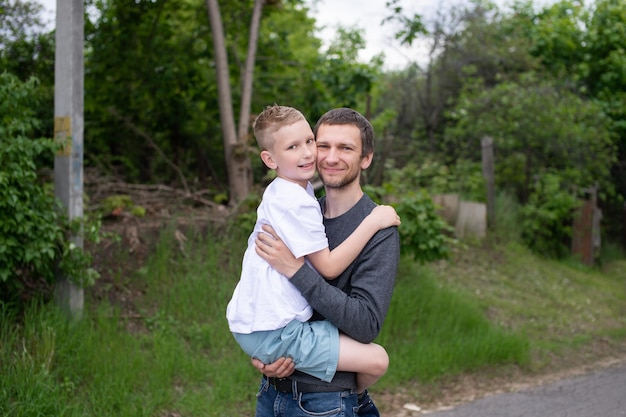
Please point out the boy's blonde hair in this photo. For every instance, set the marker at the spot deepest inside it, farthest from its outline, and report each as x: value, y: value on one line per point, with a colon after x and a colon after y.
x: 270, y: 120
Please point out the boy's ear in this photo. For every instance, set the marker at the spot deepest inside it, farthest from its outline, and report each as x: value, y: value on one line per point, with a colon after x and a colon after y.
x: 267, y: 159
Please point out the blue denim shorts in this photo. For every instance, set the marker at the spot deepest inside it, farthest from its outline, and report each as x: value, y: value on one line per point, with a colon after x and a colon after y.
x: 313, y: 346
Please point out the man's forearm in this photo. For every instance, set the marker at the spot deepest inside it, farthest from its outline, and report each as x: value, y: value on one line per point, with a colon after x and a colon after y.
x: 361, y: 313
x: 350, y: 315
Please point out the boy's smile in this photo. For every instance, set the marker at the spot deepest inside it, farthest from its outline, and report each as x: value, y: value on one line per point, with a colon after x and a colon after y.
x: 293, y: 153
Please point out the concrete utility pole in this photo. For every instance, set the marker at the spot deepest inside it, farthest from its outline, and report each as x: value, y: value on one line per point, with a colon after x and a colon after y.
x: 68, y: 128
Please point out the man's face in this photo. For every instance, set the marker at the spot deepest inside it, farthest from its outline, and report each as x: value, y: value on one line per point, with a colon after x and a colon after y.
x: 339, y: 160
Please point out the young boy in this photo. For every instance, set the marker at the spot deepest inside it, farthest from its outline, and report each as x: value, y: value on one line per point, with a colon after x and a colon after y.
x: 267, y: 314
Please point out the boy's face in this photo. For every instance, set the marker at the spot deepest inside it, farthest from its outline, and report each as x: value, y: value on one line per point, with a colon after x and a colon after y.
x: 293, y: 153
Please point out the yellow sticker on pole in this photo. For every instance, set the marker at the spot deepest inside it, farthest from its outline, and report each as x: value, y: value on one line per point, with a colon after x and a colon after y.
x: 63, y: 134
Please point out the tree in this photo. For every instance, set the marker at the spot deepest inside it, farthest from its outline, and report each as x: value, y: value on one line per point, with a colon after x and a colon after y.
x: 147, y: 83
x: 554, y: 34
x: 235, y: 142
x: 151, y: 91
x: 27, y: 50
x: 586, y: 47
x: 538, y: 127
x: 605, y: 73
x: 464, y: 42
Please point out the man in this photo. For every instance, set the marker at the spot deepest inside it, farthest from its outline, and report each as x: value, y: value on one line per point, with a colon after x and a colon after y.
x: 357, y: 301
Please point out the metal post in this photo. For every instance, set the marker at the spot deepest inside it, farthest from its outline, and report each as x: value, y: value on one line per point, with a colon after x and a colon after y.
x: 68, y: 128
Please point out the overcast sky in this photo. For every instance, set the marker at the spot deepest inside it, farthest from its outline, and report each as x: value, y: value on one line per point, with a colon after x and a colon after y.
x: 366, y: 15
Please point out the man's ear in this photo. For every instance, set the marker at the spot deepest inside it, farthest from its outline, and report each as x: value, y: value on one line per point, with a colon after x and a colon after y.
x: 267, y: 159
x: 366, y: 161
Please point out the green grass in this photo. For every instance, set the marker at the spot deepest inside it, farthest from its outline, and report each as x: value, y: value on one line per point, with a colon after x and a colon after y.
x: 432, y: 331
x: 551, y: 302
x: 494, y: 305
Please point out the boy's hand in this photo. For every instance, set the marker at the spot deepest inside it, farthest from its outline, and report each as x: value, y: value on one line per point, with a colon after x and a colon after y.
x: 385, y: 216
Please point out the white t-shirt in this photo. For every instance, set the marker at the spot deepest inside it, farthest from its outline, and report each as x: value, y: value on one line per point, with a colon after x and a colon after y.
x: 265, y: 299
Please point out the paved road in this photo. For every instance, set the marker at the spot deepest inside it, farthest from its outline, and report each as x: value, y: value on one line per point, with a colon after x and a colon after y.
x: 598, y: 394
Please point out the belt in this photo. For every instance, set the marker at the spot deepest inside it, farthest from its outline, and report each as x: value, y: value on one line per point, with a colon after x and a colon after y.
x: 287, y: 385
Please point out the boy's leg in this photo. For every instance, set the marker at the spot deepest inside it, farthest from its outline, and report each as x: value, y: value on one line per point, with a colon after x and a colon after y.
x: 313, y: 346
x: 370, y: 361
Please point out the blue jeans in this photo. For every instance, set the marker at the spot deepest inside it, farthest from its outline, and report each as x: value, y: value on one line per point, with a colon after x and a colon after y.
x: 271, y: 403
x: 367, y: 408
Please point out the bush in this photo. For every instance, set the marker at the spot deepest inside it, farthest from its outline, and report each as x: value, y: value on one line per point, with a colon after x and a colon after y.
x: 547, y: 217
x: 34, y: 233
x: 463, y: 177
x: 424, y: 235
x: 28, y: 218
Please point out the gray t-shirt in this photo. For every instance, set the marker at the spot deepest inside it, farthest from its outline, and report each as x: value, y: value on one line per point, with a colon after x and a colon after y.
x: 357, y: 301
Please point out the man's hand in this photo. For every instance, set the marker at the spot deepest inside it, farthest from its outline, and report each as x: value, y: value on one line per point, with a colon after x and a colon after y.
x: 276, y: 253
x: 281, y: 368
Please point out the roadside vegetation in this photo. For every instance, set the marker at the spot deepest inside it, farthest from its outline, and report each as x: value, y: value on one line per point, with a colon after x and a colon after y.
x: 167, y: 351
x: 544, y: 85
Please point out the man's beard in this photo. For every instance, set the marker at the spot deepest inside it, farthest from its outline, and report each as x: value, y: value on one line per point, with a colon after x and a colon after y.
x: 339, y: 182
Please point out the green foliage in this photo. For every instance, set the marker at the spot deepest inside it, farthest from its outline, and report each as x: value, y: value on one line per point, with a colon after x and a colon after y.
x: 348, y: 82
x: 34, y: 235
x: 556, y: 34
x: 431, y: 175
x: 527, y: 140
x: 16, y: 115
x: 147, y: 84
x: 408, y: 27
x: 114, y: 204
x: 605, y: 77
x: 547, y: 217
x: 567, y: 114
x: 138, y: 211
x: 605, y: 46
x: 27, y: 50
x: 424, y: 235
x: 470, y: 180
x: 463, y: 177
x: 150, y: 82
x: 29, y: 220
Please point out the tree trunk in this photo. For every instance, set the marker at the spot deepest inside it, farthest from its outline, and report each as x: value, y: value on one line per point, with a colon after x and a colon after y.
x: 235, y: 147
x: 244, y: 135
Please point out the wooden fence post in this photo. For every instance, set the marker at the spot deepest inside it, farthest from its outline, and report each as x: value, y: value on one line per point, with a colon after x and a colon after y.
x: 586, y: 240
x: 488, y: 174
